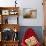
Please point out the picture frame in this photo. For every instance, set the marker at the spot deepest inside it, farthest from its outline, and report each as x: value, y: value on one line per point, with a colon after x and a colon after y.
x: 29, y: 13
x: 5, y: 12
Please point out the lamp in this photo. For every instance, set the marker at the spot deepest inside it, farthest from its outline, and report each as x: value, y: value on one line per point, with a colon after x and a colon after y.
x: 15, y: 3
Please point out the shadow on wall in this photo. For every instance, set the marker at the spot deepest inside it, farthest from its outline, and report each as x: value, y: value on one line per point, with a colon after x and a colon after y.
x: 37, y: 29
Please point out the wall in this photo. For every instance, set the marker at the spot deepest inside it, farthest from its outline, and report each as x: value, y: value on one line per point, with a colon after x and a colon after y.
x: 6, y: 3
x: 33, y: 4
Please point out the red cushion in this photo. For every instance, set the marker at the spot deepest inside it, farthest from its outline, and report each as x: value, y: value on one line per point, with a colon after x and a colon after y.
x: 29, y: 33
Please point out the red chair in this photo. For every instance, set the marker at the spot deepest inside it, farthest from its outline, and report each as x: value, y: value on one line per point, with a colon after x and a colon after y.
x: 29, y: 33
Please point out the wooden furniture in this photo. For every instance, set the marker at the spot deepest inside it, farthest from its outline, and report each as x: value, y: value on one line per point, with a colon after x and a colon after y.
x: 10, y: 43
x: 0, y: 43
x: 11, y: 26
x: 6, y: 12
x: 44, y: 37
x: 44, y: 8
x: 7, y: 23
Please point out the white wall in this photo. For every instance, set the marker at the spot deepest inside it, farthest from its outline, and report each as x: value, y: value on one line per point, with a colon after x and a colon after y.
x: 6, y: 3
x: 33, y: 4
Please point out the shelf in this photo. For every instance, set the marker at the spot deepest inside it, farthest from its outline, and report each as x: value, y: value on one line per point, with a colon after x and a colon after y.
x: 9, y: 20
x: 10, y: 41
x: 9, y: 8
x: 10, y: 26
x: 7, y: 17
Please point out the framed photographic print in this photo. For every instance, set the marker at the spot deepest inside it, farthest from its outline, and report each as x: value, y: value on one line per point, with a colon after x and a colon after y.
x: 29, y: 13
x: 5, y: 12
